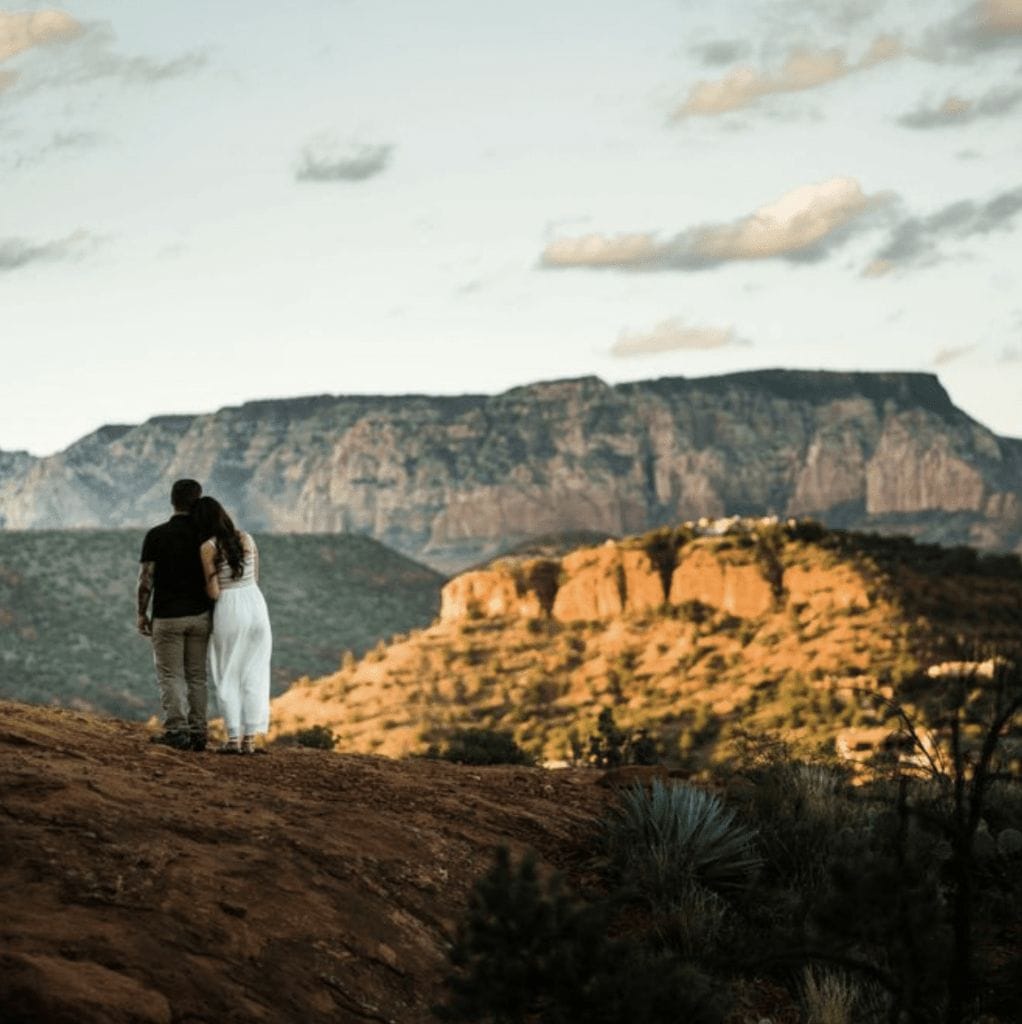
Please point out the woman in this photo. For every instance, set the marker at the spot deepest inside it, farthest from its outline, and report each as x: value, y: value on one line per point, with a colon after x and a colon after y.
x: 241, y: 643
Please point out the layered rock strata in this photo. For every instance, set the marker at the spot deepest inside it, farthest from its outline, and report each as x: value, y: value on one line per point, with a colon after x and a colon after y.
x: 453, y: 481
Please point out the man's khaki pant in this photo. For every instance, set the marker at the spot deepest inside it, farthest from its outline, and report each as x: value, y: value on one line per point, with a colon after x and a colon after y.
x: 179, y: 653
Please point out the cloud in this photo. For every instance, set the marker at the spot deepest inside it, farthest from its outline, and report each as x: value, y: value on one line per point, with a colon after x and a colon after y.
x: 802, y: 225
x: 671, y: 335
x: 89, y: 55
x: 326, y: 160
x: 878, y: 268
x: 958, y: 110
x: 915, y: 239
x: 986, y: 25
x: 720, y: 51
x: 951, y: 353
x: 1001, y: 16
x: 60, y: 142
x: 20, y: 32
x: 16, y: 253
x: 803, y: 69
x: 1011, y: 354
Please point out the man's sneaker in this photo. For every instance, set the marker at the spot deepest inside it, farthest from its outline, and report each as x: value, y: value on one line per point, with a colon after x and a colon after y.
x: 177, y: 740
x: 198, y: 742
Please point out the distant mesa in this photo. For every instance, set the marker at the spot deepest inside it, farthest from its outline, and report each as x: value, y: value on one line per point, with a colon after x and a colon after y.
x: 452, y: 481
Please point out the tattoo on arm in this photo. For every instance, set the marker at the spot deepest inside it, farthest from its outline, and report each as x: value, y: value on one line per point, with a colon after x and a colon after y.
x: 146, y: 571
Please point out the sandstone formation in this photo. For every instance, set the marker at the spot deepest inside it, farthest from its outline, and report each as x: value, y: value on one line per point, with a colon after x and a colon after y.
x: 784, y: 630
x: 452, y: 481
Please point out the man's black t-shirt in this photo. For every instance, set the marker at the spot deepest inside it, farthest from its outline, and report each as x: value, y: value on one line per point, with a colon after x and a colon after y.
x: 178, y: 585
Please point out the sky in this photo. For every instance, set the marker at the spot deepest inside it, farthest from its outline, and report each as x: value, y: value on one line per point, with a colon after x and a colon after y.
x: 207, y: 203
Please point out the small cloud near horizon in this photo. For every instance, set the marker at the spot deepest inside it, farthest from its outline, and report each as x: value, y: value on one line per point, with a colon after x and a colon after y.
x: 324, y: 159
x: 952, y: 353
x: 801, y: 225
x: 16, y: 253
x: 672, y: 335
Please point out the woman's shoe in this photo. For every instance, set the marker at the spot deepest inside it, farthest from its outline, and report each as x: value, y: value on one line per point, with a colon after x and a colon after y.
x: 230, y: 747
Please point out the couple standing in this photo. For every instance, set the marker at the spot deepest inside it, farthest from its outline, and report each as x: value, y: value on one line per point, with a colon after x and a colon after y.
x: 202, y: 575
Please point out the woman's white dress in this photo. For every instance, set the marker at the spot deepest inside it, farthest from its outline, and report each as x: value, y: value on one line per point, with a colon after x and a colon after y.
x: 240, y: 648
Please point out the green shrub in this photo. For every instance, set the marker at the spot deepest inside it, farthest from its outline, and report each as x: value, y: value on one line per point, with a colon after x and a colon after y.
x: 694, y: 924
x: 527, y: 951
x: 317, y: 737
x: 659, y: 841
x: 886, y: 908
x: 610, y: 747
x: 481, y: 746
x: 694, y: 611
x: 800, y: 811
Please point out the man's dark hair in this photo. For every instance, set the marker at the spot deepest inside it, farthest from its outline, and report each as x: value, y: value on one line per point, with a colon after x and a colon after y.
x: 184, y: 494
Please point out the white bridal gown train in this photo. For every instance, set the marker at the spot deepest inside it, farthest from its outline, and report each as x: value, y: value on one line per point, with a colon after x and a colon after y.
x: 240, y: 648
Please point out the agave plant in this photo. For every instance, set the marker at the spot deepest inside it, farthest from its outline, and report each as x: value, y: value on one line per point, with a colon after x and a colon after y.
x: 665, y: 839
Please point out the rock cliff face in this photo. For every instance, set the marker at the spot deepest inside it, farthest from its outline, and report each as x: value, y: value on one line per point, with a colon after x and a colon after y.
x: 452, y: 481
x: 776, y: 629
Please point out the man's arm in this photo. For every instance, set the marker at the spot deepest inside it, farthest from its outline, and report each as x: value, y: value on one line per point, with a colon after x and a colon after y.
x: 146, y: 571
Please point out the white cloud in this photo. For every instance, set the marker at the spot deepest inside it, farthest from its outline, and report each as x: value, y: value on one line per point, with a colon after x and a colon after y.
x: 324, y: 159
x: 89, y: 55
x: 802, y: 224
x: 601, y: 251
x: 20, y: 32
x: 803, y: 69
x: 16, y: 253
x: 952, y: 353
x: 671, y: 335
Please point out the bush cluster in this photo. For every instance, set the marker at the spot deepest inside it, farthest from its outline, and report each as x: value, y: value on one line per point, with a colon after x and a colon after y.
x: 317, y: 737
x: 893, y: 900
x: 480, y: 747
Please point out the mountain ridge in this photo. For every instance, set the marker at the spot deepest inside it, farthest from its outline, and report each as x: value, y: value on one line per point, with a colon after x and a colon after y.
x: 451, y: 480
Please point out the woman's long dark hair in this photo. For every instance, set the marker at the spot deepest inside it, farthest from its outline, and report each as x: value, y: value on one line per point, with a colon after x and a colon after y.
x: 211, y: 520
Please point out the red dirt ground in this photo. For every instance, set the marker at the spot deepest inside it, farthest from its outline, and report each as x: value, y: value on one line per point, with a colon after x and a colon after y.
x: 141, y: 884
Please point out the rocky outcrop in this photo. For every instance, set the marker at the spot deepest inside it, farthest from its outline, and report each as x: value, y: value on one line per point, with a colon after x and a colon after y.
x: 768, y: 626
x: 453, y: 481
x: 606, y: 582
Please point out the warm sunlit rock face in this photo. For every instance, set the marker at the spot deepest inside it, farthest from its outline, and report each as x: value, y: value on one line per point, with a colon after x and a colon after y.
x: 779, y: 630
x: 453, y: 481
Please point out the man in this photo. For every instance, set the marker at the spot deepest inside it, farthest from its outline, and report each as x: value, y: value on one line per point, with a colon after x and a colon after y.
x: 171, y: 573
